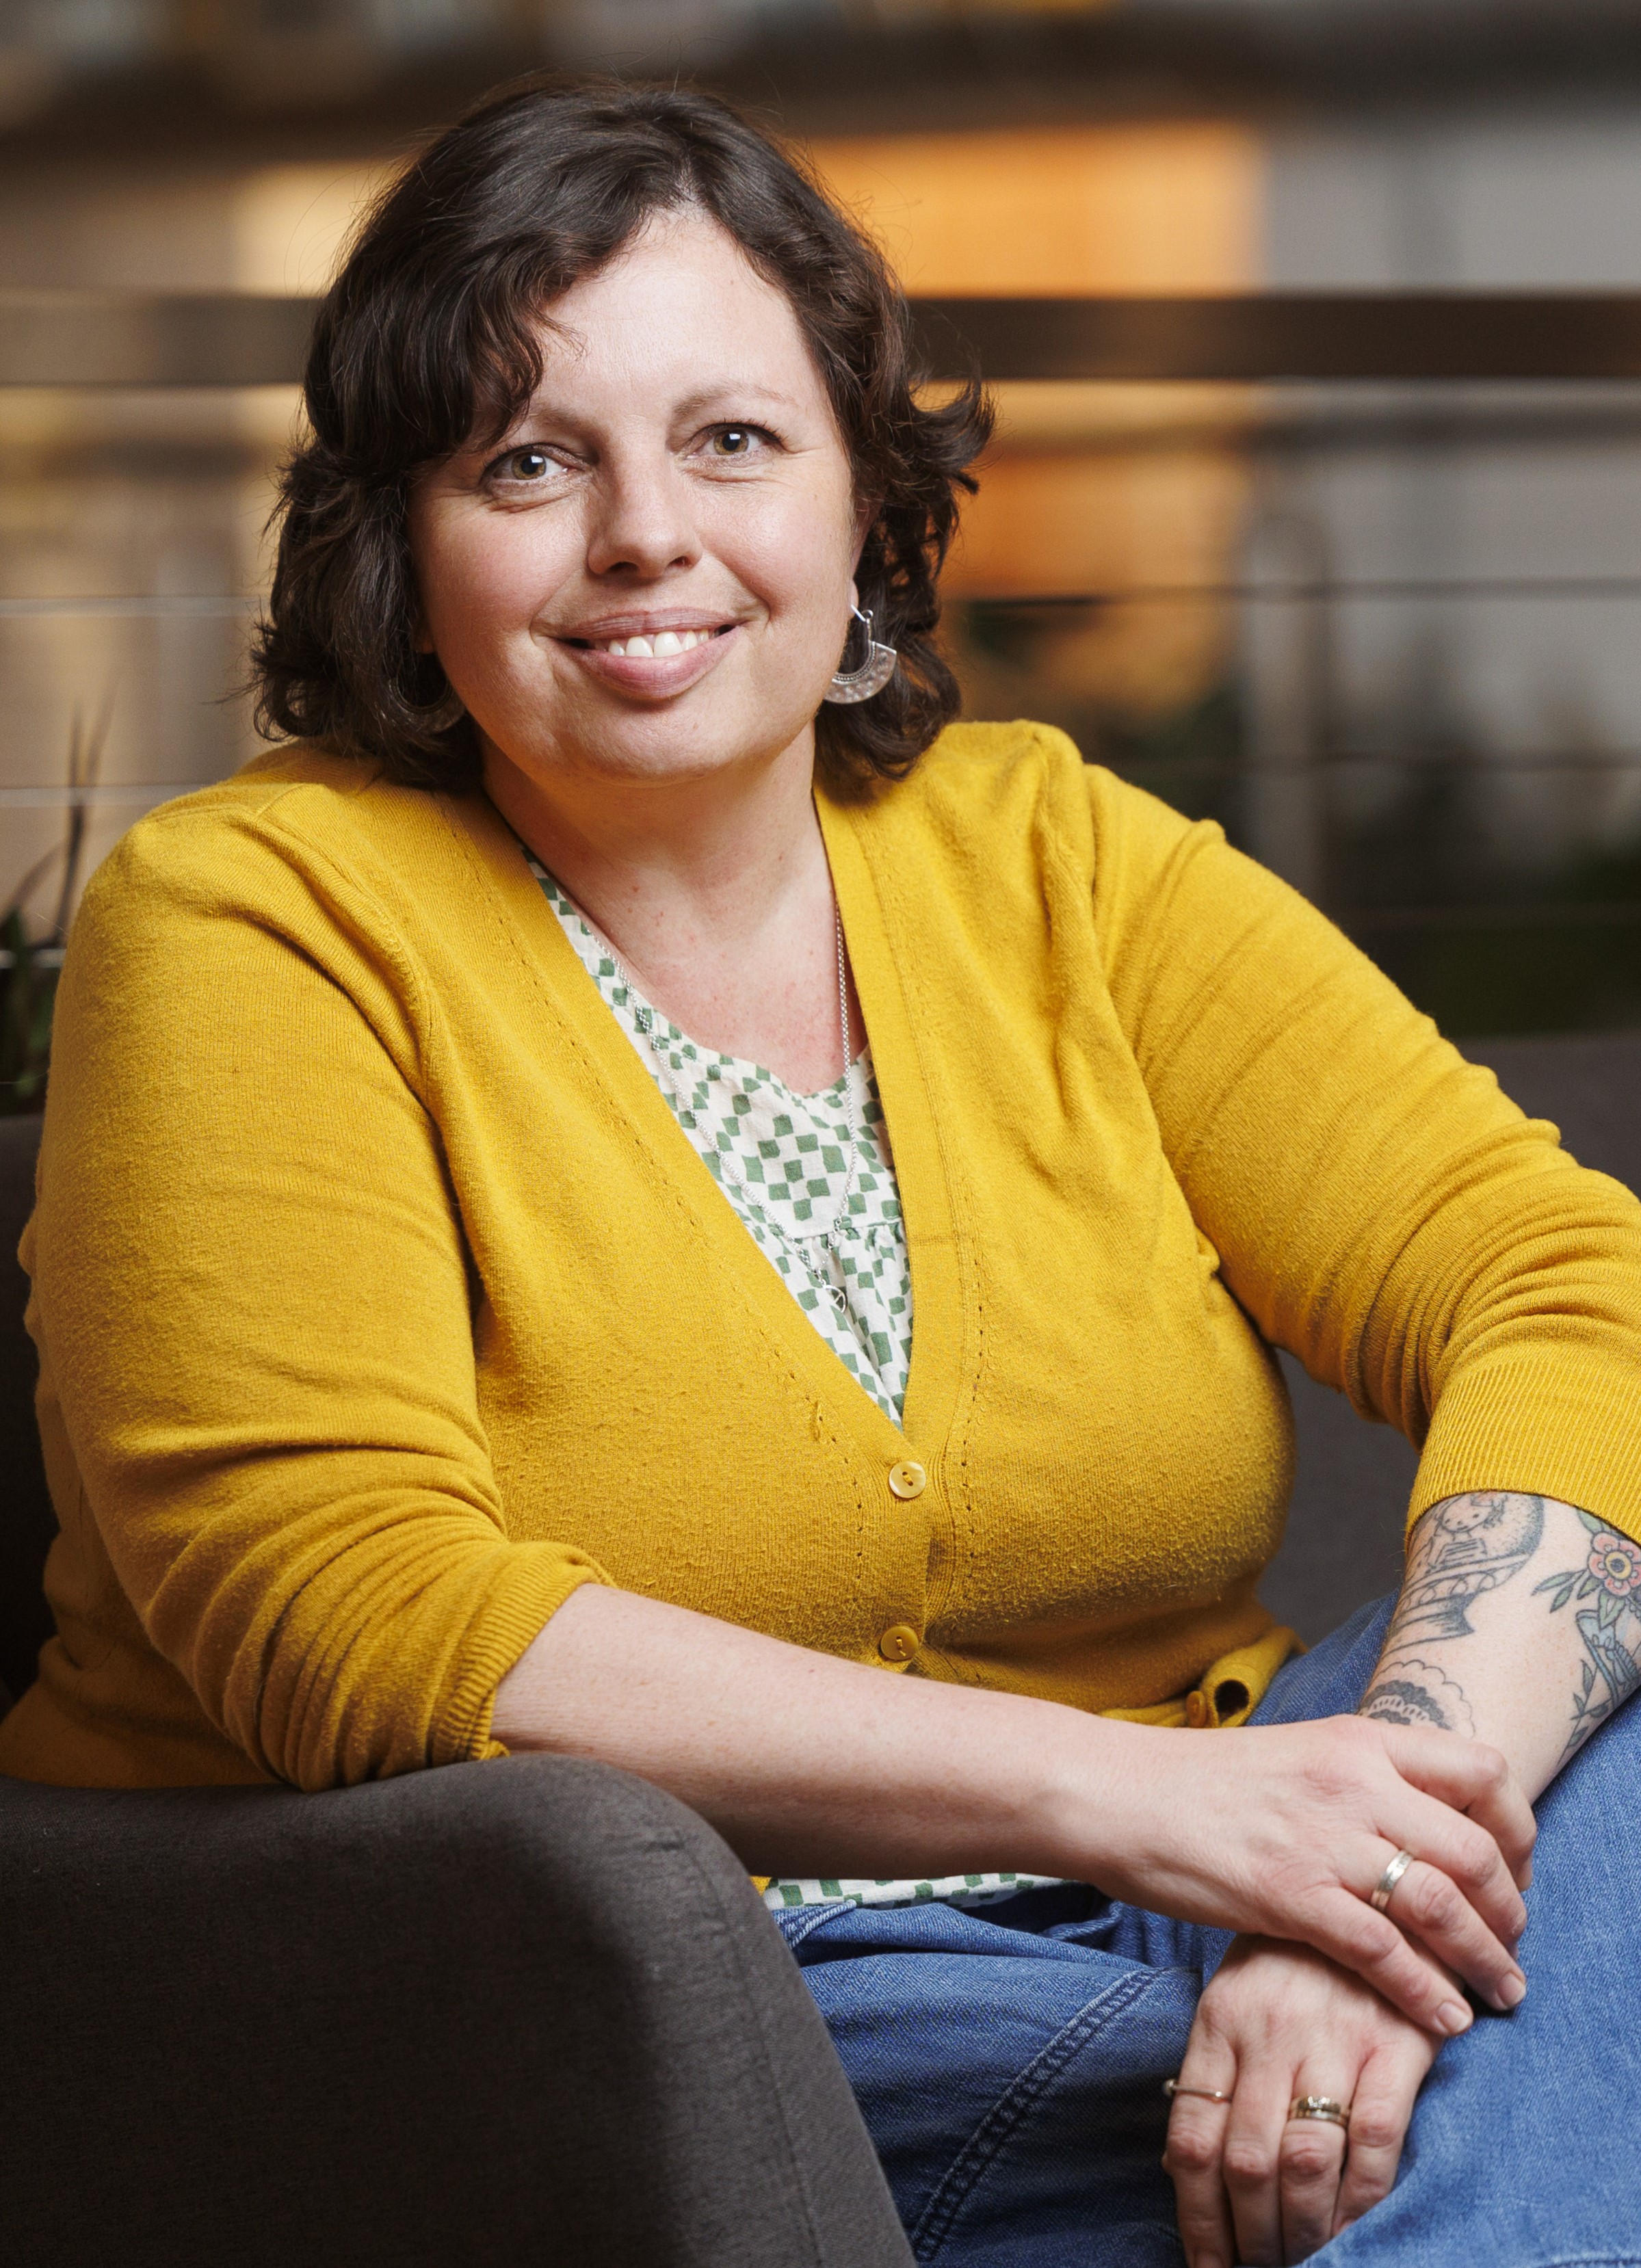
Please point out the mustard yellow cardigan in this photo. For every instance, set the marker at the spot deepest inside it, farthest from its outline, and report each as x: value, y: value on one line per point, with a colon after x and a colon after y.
x: 381, y: 1301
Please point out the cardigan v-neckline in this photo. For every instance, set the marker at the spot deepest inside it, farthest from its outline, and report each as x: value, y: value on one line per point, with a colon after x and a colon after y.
x: 937, y: 1326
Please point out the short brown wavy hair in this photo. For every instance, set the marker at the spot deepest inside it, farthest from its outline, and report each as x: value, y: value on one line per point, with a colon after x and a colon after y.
x: 427, y: 342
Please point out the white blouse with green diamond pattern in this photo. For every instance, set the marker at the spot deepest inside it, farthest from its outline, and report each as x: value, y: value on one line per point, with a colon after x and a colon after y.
x: 793, y: 1154
x: 855, y: 1289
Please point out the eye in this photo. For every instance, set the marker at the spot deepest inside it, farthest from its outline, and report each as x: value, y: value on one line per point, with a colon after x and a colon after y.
x: 742, y: 442
x: 525, y: 464
x: 528, y: 466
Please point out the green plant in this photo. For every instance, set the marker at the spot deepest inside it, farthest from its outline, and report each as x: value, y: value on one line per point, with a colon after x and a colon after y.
x: 29, y: 967
x: 28, y: 987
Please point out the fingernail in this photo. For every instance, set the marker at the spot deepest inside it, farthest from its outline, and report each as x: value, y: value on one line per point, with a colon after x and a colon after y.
x: 1512, y: 1991
x: 1453, y: 2017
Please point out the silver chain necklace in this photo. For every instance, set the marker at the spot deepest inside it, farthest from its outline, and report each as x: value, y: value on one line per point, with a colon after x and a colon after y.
x: 730, y: 1167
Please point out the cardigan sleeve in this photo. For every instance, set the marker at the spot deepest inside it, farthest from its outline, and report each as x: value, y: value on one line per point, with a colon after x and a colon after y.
x: 254, y: 1296
x: 1379, y: 1208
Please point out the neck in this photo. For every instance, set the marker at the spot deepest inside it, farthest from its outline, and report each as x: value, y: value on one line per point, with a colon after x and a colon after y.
x: 713, y: 889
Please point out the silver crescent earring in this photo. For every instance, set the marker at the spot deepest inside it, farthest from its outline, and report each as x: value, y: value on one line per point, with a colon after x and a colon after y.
x: 874, y: 673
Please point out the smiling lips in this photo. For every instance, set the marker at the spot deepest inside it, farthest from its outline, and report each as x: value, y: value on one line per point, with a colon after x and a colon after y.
x: 656, y: 663
x: 665, y: 642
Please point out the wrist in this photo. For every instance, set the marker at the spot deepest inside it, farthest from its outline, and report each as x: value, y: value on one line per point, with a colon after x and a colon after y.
x: 1081, y: 1799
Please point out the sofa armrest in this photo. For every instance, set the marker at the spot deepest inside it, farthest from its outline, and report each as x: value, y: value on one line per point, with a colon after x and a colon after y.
x: 507, y: 2012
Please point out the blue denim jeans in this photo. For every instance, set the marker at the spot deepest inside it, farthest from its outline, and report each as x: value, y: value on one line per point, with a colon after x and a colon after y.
x: 1010, y: 2062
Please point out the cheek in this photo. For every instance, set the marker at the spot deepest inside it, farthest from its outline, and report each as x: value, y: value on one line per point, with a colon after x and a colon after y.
x: 481, y: 583
x: 795, y: 552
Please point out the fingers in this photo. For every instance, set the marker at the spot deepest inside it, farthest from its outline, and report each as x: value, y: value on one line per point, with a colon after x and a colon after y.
x: 1348, y: 1931
x: 1385, y: 2092
x: 1252, y: 2161
x: 1426, y: 1901
x: 1310, y: 2160
x: 1253, y: 2183
x: 1196, y: 2131
x: 1294, y: 2183
x: 1472, y: 1861
x: 1470, y: 1777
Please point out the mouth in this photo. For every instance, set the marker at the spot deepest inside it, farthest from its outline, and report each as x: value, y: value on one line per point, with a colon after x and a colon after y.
x: 659, y: 646
x: 654, y: 659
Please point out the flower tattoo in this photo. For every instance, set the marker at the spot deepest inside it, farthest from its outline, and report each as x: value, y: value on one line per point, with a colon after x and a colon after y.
x: 1468, y: 1546
x: 1615, y: 1563
x: 1610, y: 1627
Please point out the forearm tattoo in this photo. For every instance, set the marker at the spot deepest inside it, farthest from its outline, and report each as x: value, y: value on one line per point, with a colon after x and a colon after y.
x: 1609, y: 1625
x: 1470, y: 1545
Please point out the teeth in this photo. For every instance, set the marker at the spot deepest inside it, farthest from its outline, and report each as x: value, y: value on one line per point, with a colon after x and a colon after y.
x: 657, y: 648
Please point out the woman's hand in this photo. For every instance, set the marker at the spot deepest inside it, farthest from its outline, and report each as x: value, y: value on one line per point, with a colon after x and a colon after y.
x: 810, y: 1765
x: 1276, y: 2022
x: 1284, y: 1832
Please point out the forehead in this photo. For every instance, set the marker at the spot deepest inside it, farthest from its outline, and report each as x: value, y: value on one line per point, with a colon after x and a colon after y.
x: 679, y: 311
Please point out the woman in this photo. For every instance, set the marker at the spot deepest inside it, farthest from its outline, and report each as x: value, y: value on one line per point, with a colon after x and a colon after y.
x: 477, y: 1312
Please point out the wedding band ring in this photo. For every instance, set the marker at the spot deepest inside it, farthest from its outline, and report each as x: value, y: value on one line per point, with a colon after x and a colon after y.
x: 1171, y: 2086
x: 1321, y: 2107
x: 1388, y: 1880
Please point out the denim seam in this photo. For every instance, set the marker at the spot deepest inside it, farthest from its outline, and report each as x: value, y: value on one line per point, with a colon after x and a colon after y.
x: 958, y: 2182
x: 827, y: 1911
x: 1590, y: 2260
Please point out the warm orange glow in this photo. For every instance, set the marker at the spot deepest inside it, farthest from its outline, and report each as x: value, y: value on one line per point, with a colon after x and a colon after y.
x: 1153, y: 522
x: 1172, y: 208
x: 1167, y: 208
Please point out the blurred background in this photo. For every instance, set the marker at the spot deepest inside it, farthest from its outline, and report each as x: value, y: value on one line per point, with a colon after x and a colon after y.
x: 1389, y: 633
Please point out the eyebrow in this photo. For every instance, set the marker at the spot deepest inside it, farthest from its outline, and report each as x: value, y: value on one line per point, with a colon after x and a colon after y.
x: 725, y: 391
x: 694, y: 403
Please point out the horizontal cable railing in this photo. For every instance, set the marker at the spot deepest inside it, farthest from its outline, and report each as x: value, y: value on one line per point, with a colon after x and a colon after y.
x: 210, y: 606
x: 204, y: 607
x: 232, y: 339
x: 1436, y: 344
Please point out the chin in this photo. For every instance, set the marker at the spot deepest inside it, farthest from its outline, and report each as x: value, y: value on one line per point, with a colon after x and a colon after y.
x: 655, y: 748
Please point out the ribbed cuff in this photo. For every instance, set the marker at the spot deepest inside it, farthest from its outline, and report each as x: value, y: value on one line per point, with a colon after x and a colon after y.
x: 538, y: 1579
x: 1556, y: 1424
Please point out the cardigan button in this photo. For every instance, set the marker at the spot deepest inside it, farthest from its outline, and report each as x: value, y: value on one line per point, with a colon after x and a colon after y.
x: 899, y: 1643
x: 1195, y: 1710
x: 907, y: 1479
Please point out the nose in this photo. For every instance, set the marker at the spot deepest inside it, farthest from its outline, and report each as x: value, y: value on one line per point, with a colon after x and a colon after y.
x: 642, y: 525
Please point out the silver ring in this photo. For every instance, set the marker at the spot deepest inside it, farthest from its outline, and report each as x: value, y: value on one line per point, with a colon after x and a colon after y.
x: 1388, y: 1880
x: 1171, y: 2086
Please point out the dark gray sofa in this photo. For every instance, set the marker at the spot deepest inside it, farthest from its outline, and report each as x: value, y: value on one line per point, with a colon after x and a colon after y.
x: 508, y: 2013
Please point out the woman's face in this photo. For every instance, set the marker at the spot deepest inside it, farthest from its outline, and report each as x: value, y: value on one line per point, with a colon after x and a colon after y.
x: 648, y: 576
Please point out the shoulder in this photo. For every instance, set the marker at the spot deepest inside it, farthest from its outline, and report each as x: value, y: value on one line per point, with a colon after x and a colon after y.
x: 298, y: 823
x: 987, y: 775
x: 1021, y: 794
